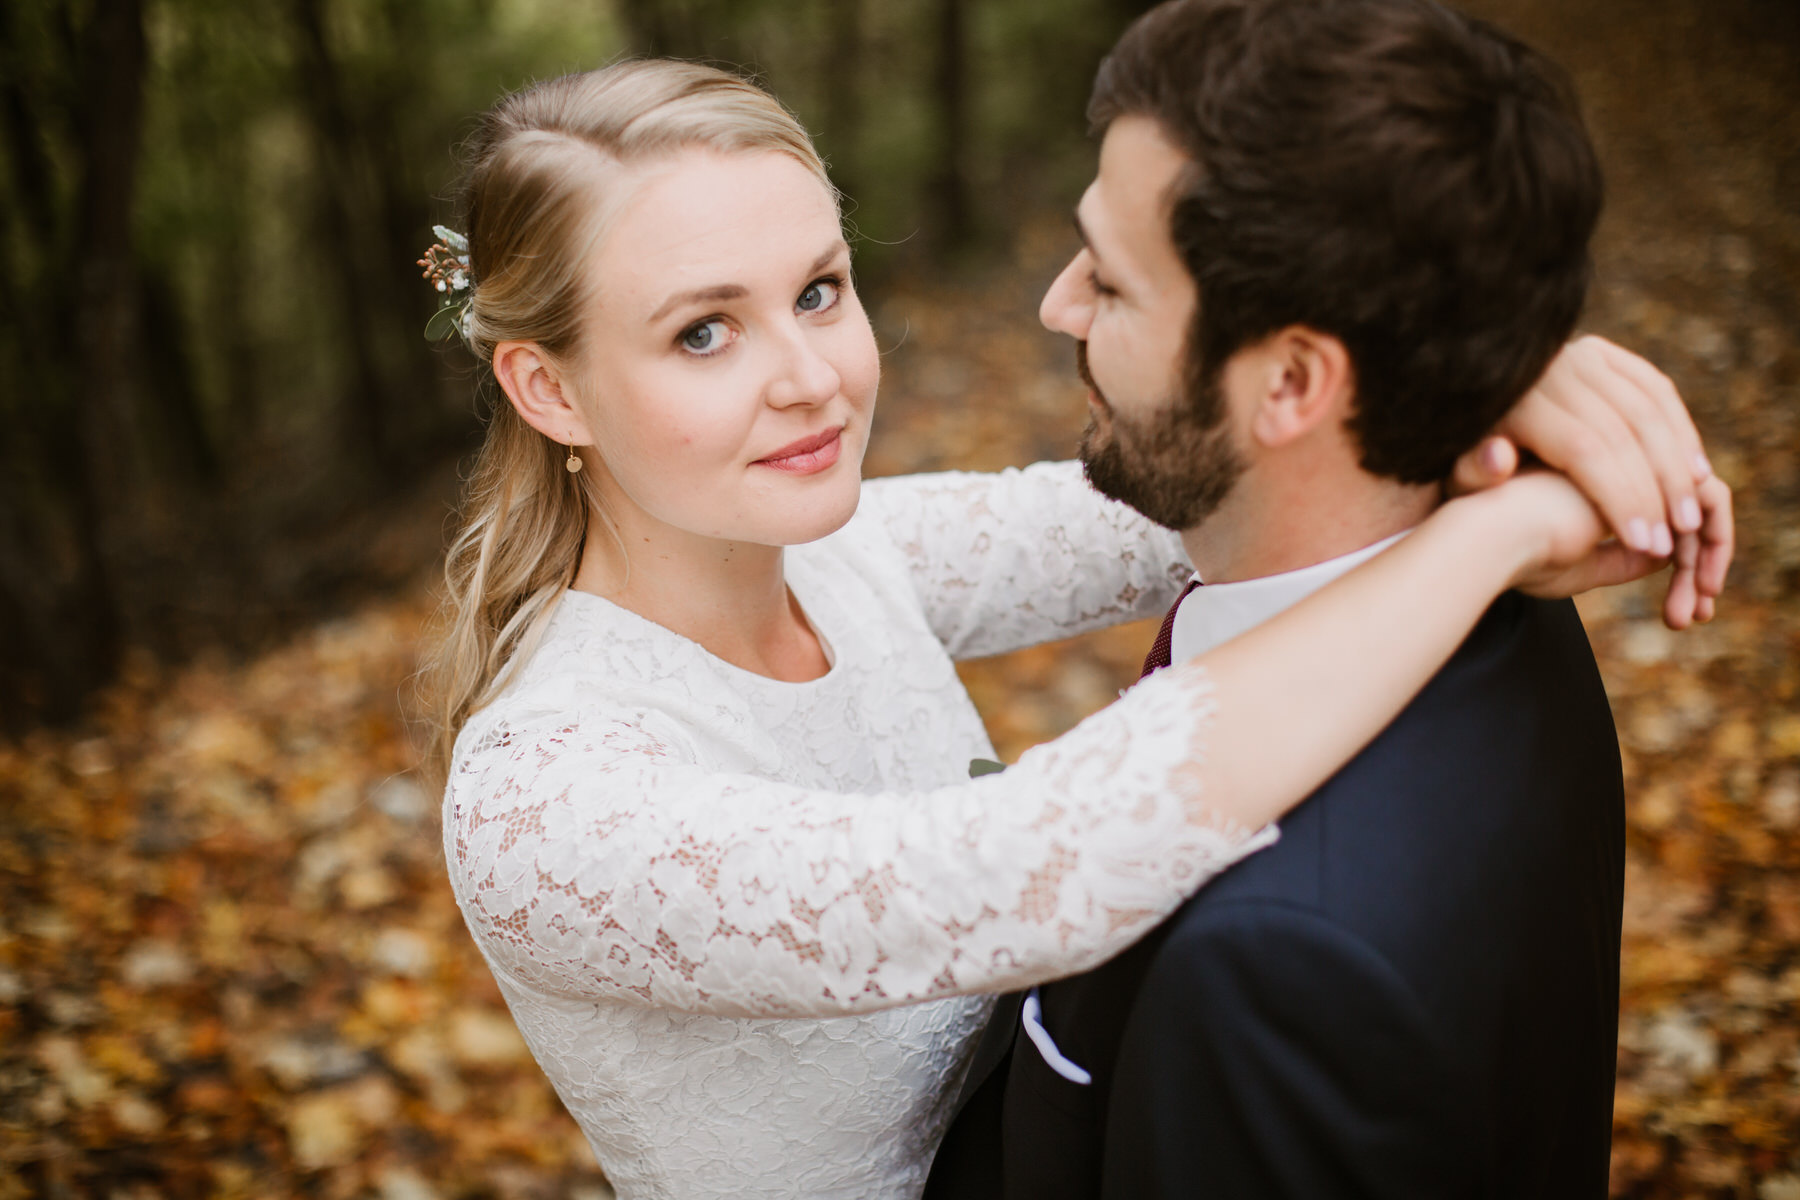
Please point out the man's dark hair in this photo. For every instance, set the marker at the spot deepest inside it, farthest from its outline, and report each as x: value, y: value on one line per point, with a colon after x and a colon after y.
x: 1407, y: 179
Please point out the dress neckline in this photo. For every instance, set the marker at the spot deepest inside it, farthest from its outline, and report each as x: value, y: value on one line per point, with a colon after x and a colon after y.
x: 804, y: 598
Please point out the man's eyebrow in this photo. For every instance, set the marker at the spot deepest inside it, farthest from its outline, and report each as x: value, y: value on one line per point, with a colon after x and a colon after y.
x: 733, y: 291
x: 1086, y: 241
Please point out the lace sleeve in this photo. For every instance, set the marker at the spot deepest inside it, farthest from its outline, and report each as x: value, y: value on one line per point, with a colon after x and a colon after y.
x: 1019, y: 557
x: 589, y: 862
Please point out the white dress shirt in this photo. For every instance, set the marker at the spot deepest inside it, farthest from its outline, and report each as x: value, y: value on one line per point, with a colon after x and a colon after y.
x: 1213, y: 615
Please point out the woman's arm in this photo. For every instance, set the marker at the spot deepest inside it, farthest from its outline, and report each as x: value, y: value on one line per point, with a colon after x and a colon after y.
x: 1017, y: 557
x: 1302, y: 693
x: 590, y: 864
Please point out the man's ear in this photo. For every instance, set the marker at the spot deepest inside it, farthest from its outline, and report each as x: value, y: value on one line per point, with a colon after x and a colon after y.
x: 534, y: 387
x: 1304, y: 381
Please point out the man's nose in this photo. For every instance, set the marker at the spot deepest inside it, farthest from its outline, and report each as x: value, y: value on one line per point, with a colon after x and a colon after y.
x: 1066, y: 307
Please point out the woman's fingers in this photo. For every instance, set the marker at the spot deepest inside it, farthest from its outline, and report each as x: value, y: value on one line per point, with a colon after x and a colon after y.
x: 1488, y: 465
x: 1573, y: 429
x: 1701, y: 560
x: 1648, y: 404
x: 1612, y: 564
x: 1717, y: 540
x: 1662, y: 391
x: 1606, y: 565
x: 1681, y: 602
x: 1598, y: 387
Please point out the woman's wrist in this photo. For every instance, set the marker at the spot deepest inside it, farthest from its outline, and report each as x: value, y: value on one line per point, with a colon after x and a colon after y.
x: 1492, y: 540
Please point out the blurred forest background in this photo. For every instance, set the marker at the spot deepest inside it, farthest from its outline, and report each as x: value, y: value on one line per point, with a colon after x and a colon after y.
x: 229, y: 964
x: 218, y: 397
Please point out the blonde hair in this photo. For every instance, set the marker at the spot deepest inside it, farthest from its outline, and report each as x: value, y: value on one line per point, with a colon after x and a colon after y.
x: 543, y: 176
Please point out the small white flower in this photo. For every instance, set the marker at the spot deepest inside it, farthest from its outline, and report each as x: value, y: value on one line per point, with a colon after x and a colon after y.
x: 440, y: 285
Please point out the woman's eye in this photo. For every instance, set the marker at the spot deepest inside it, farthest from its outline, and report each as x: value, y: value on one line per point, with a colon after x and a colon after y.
x: 1100, y: 288
x: 819, y: 295
x: 708, y: 337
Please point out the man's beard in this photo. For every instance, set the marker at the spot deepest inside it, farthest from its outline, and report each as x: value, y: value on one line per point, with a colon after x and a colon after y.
x: 1177, y: 466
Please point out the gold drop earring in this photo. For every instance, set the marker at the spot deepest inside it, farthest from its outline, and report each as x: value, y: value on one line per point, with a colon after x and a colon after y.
x: 573, y: 462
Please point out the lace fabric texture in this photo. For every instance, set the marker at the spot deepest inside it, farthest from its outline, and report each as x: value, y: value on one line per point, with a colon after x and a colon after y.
x: 745, y: 925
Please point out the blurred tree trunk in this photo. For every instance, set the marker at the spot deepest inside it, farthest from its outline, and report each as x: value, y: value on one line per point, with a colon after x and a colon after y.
x: 840, y: 73
x: 343, y: 247
x: 668, y: 28
x: 74, y: 470
x: 226, y: 315
x: 950, y: 185
x: 106, y: 298
x: 184, y: 446
x: 425, y: 427
x: 102, y: 478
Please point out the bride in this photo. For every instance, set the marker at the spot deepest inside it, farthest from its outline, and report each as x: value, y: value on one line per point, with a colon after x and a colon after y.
x: 707, y: 813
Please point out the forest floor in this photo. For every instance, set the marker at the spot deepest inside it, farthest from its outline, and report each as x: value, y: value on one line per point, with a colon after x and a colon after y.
x: 230, y: 965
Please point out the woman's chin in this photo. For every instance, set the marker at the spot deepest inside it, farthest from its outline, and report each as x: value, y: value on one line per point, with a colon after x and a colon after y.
x: 818, y: 509
x: 821, y: 521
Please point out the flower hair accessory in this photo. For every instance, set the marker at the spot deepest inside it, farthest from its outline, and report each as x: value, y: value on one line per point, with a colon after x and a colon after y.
x: 447, y: 269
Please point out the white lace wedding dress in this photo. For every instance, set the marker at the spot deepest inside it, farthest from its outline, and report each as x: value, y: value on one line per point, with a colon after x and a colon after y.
x: 745, y: 925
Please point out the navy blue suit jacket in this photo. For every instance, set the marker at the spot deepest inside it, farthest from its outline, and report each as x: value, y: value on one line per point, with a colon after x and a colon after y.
x: 1414, y: 993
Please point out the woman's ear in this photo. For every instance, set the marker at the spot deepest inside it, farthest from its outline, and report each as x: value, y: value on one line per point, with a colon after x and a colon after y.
x: 1306, y: 381
x: 534, y: 388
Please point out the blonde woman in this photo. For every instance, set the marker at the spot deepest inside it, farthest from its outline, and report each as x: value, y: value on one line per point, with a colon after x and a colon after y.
x: 707, y: 813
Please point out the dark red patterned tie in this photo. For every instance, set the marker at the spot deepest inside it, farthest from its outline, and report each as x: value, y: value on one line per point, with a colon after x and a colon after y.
x: 1158, y: 658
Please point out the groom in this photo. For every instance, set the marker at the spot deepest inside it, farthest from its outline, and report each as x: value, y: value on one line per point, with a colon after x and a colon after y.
x: 1330, y: 243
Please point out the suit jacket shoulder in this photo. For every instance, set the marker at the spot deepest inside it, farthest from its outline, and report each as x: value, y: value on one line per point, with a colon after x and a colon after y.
x: 1458, y: 885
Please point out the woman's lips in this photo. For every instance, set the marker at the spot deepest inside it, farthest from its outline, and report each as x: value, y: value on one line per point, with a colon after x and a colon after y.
x: 809, y: 455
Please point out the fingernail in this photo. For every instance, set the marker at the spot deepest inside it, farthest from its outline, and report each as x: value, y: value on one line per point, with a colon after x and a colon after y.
x: 1663, y: 543
x: 1490, y: 457
x: 1637, y: 535
x: 1702, y: 466
x: 1690, y: 515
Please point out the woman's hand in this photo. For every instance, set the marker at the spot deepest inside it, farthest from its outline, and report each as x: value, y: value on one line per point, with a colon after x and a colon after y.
x: 1562, y: 537
x: 1615, y: 425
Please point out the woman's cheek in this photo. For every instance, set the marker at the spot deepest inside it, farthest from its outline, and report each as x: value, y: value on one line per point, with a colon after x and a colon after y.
x: 860, y: 371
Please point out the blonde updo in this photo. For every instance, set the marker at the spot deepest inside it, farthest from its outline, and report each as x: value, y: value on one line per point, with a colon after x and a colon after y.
x: 547, y: 167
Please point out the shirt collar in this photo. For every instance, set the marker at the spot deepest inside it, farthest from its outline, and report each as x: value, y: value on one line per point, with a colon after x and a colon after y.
x: 1217, y: 613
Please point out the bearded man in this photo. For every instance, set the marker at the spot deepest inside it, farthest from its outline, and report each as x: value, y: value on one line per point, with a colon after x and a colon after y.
x: 1330, y: 244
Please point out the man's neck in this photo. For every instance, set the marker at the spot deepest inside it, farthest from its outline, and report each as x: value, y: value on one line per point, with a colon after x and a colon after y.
x: 1269, y: 527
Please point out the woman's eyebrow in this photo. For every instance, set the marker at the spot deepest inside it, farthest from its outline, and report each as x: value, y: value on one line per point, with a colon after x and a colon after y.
x: 705, y: 295
x: 733, y: 291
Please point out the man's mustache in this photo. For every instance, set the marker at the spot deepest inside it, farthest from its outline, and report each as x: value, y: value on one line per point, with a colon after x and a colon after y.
x: 1081, y: 369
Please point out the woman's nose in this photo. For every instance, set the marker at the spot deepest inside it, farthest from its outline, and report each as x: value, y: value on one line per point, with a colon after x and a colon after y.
x: 803, y: 375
